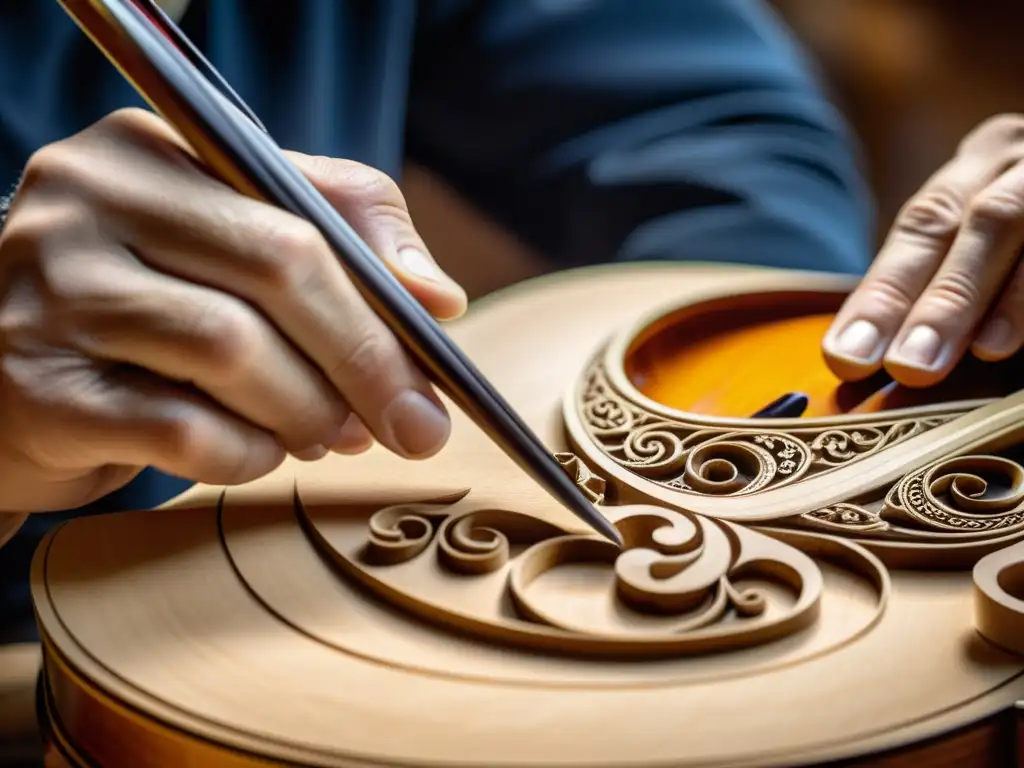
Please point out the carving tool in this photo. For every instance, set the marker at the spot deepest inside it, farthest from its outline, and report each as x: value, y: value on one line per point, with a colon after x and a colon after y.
x: 789, y: 406
x: 182, y: 86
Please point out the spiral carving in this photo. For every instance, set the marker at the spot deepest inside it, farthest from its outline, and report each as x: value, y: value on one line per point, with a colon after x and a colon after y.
x: 480, y: 542
x: 400, y: 533
x: 845, y: 518
x: 702, y: 583
x: 966, y: 494
x: 689, y: 457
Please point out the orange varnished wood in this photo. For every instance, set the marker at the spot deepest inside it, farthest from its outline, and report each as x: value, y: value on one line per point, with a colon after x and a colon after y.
x: 731, y: 358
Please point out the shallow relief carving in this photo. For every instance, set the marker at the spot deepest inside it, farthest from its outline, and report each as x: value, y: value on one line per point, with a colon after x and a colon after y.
x: 683, y: 584
x: 955, y: 504
x: 688, y: 456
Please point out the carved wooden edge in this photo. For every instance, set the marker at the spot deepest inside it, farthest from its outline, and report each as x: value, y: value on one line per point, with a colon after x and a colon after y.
x: 820, y: 467
x: 686, y: 462
x: 944, y: 511
x: 996, y: 740
x: 999, y: 598
x: 913, y: 485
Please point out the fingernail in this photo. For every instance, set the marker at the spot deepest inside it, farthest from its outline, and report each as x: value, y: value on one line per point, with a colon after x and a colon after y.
x: 859, y: 341
x: 417, y: 263
x: 921, y: 347
x: 996, y: 336
x: 313, y: 453
x: 418, y: 426
x: 354, y: 437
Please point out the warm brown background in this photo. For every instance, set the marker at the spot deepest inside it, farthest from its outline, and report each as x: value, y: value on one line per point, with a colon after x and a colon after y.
x: 911, y: 76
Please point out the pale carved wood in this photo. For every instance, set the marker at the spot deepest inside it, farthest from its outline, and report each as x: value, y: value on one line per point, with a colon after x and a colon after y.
x: 792, y: 591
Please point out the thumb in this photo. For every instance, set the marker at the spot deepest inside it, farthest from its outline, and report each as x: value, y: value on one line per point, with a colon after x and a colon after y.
x: 374, y: 206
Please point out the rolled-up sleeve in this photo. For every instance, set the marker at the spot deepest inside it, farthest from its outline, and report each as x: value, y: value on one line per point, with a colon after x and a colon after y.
x: 638, y: 130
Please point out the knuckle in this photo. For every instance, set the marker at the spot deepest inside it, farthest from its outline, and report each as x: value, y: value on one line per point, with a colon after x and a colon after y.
x: 37, y: 224
x: 226, y: 334
x: 378, y: 188
x: 886, y: 294
x: 367, y: 362
x: 67, y: 282
x: 183, y: 438
x: 388, y: 214
x: 1001, y: 129
x: 57, y: 284
x: 127, y: 121
x: 367, y: 186
x: 996, y: 207
x: 292, y: 255
x: 57, y: 164
x: 954, y: 294
x: 934, y: 214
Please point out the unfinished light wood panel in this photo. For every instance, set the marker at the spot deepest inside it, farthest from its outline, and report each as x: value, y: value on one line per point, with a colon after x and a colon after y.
x: 792, y: 591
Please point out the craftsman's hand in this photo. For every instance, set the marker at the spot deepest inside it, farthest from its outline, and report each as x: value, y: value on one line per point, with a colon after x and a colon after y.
x: 152, y: 316
x: 949, y: 278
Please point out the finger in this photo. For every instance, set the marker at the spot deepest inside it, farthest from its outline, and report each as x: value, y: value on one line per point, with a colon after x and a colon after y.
x: 286, y: 269
x: 1002, y: 333
x: 355, y: 437
x: 119, y: 311
x: 87, y: 417
x: 369, y: 200
x: 941, y: 325
x: 920, y: 238
x: 186, y: 224
x: 375, y: 207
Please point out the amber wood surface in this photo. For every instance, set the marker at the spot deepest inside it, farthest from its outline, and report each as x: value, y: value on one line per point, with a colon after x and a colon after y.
x: 732, y: 356
x: 792, y: 591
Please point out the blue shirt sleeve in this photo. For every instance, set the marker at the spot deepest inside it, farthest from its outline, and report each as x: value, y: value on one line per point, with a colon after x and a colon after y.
x: 625, y: 130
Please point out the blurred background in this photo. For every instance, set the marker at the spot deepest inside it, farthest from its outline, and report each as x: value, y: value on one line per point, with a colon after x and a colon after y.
x: 912, y: 77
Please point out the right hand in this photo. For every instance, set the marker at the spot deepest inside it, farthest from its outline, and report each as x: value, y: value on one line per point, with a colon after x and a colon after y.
x: 152, y: 316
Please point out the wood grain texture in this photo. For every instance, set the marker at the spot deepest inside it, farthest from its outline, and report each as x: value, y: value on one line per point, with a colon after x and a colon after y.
x: 372, y: 611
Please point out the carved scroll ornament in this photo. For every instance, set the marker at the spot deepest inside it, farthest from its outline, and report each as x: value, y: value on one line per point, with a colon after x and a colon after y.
x: 691, y: 457
x: 951, y: 503
x: 683, y: 583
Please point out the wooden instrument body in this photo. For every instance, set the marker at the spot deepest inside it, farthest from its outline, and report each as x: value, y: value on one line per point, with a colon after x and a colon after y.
x: 793, y: 591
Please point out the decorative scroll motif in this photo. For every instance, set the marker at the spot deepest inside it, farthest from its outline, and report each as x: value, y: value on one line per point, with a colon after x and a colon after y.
x: 965, y: 497
x: 682, y: 583
x: 844, y: 518
x: 693, y: 458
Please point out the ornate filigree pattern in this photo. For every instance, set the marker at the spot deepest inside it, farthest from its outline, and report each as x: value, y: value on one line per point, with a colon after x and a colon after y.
x: 964, y: 497
x: 682, y: 583
x: 693, y: 458
x: 966, y: 494
x: 844, y: 518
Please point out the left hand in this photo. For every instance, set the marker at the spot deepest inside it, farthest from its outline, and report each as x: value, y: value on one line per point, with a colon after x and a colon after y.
x: 950, y: 277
